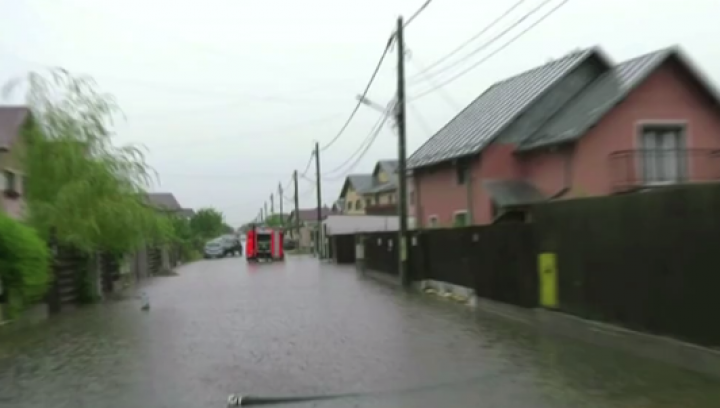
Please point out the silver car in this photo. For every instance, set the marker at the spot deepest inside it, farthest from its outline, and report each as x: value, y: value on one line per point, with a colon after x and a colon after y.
x: 214, y: 249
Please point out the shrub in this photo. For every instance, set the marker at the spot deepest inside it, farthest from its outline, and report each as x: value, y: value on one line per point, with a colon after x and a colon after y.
x: 24, y: 264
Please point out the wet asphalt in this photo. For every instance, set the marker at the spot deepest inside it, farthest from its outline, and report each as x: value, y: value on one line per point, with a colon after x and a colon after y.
x: 304, y: 327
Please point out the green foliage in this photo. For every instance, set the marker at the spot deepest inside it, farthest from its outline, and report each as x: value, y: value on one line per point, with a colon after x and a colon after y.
x: 90, y: 190
x: 274, y: 220
x: 24, y: 264
x: 207, y: 223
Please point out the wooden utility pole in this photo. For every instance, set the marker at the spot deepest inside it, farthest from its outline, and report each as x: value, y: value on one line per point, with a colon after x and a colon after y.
x: 319, y: 197
x: 297, y: 206
x: 402, y: 165
x: 272, y: 204
x: 280, y: 200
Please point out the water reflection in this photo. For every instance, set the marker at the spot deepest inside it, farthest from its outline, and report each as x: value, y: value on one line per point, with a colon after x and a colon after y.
x: 303, y: 328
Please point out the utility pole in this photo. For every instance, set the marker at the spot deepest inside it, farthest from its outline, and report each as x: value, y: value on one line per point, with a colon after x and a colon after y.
x: 266, y: 213
x: 272, y: 204
x: 402, y: 165
x: 319, y: 197
x: 280, y: 199
x: 297, y: 206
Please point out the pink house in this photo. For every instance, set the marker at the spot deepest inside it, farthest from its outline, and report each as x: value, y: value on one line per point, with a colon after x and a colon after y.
x: 577, y: 126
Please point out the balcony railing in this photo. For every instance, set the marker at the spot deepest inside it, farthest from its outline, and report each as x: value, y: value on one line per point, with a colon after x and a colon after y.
x: 633, y: 169
x: 382, y: 209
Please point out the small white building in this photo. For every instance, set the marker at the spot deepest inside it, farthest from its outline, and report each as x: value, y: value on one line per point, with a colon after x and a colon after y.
x: 339, y: 231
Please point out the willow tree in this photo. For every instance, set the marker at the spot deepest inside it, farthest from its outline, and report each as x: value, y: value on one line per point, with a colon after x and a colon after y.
x: 89, y: 190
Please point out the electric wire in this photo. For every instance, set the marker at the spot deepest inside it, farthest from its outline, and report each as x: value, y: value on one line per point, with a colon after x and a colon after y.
x: 374, y: 135
x: 362, y: 97
x: 492, y: 54
x: 368, y: 139
x: 455, y: 50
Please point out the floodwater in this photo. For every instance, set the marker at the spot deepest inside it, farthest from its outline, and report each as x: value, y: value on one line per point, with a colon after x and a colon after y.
x: 305, y: 327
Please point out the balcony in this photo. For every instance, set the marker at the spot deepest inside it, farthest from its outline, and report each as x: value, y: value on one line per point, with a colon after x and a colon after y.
x: 382, y: 209
x: 635, y: 169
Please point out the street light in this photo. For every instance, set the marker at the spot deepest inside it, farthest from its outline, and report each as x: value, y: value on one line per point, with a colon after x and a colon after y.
x: 378, y: 107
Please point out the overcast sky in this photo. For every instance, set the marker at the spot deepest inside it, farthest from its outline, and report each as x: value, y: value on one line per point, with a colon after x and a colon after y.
x: 230, y: 95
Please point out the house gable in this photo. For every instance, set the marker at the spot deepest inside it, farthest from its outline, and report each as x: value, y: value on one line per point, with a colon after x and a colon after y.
x: 555, y: 99
x: 608, y: 92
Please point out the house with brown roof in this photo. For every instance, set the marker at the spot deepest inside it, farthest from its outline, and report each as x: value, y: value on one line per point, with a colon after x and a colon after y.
x: 577, y: 126
x: 12, y: 145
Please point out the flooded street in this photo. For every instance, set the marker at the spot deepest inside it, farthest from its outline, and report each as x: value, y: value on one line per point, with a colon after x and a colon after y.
x: 305, y: 328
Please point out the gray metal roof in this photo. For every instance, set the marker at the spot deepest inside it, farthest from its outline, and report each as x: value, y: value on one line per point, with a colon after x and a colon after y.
x: 384, y: 187
x: 512, y: 192
x: 361, y: 182
x: 388, y: 166
x: 11, y: 119
x: 596, y: 100
x: 481, y: 121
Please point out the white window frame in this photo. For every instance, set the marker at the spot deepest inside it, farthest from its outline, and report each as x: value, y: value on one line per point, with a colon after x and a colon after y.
x: 683, y: 165
x: 433, y: 221
x: 463, y: 212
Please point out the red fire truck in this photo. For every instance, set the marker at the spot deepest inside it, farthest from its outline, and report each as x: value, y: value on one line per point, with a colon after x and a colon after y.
x: 264, y: 244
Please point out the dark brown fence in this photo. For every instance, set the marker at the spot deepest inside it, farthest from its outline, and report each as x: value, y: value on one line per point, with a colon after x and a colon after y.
x: 497, y: 261
x: 649, y: 261
x: 343, y: 248
x: 381, y: 252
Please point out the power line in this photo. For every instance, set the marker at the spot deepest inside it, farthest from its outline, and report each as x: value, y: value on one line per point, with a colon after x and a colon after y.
x: 417, y: 13
x: 443, y: 93
x: 423, y: 123
x: 468, y: 41
x: 494, y: 39
x: 388, y: 45
x: 492, y: 54
x: 307, y: 166
x: 373, y: 137
x: 360, y: 99
x: 368, y: 139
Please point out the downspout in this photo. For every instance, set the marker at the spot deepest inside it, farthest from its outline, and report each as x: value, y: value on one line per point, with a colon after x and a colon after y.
x: 567, y: 173
x: 469, y: 177
x: 419, y: 212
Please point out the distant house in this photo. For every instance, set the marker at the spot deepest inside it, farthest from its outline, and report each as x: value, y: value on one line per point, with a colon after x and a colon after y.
x: 577, y: 126
x: 374, y: 193
x: 165, y: 202
x: 307, y: 234
x: 12, y: 120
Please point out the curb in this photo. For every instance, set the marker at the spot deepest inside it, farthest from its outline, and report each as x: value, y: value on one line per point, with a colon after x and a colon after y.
x: 668, y: 350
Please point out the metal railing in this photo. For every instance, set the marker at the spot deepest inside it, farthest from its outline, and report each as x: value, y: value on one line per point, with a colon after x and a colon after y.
x: 639, y: 168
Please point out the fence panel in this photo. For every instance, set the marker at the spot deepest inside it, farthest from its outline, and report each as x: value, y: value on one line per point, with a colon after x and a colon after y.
x: 506, y: 268
x: 648, y: 261
x: 449, y: 257
x: 381, y: 252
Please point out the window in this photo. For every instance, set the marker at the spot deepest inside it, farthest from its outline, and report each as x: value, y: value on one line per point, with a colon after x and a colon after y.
x: 358, y: 205
x: 662, y: 158
x: 368, y: 202
x: 349, y: 205
x: 433, y: 221
x: 10, y: 180
x: 460, y: 219
x: 461, y: 170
